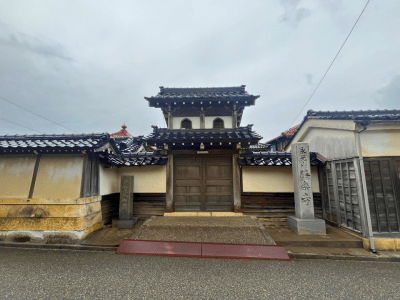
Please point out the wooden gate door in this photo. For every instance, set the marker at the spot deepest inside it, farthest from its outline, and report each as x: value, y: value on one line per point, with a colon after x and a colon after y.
x: 188, y: 179
x: 383, y: 185
x: 203, y: 183
x: 342, y: 196
x: 218, y: 184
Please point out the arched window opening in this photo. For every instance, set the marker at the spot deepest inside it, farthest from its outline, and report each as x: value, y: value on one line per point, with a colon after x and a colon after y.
x: 218, y: 123
x: 186, y: 124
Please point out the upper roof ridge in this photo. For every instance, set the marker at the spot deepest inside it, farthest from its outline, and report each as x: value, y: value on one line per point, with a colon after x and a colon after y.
x: 54, y: 136
x: 355, y: 112
x: 203, y: 89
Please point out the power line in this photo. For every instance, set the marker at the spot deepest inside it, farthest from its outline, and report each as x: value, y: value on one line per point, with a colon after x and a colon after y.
x: 19, y: 106
x: 19, y: 124
x: 331, y: 63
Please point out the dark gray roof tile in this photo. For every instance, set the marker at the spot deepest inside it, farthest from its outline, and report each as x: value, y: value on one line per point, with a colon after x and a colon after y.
x: 238, y: 93
x: 275, y: 159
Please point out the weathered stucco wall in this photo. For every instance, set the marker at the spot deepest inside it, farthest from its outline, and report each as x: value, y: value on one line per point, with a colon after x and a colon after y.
x: 148, y: 179
x: 331, y: 143
x: 16, y: 175
x: 381, y: 140
x: 108, y: 180
x: 273, y: 179
x: 59, y: 176
x: 330, y: 138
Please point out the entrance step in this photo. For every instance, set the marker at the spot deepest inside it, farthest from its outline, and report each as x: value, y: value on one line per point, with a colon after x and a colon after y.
x: 322, y: 244
x: 204, y: 250
x: 326, y: 252
x: 227, y: 230
x: 334, y: 237
x: 203, y: 214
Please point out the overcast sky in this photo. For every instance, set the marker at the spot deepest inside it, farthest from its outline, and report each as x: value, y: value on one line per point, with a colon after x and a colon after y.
x: 88, y: 64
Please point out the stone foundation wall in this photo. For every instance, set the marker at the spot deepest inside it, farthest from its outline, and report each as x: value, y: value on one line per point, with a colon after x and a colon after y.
x: 46, y: 219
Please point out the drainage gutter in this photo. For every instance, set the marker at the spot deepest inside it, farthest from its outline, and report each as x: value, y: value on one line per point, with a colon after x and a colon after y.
x: 364, y: 124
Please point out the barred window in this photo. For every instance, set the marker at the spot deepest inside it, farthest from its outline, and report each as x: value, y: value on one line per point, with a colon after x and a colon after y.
x: 218, y: 123
x: 186, y: 124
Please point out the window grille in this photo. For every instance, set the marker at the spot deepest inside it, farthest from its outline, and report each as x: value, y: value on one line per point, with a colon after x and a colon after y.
x: 186, y: 124
x: 218, y: 124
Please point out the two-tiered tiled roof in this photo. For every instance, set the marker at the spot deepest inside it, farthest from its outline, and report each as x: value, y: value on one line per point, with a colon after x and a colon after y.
x: 231, y: 98
x: 172, y: 94
x: 209, y: 137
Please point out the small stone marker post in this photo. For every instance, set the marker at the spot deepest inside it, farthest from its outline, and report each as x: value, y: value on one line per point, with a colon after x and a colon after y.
x: 126, y: 219
x: 304, y: 222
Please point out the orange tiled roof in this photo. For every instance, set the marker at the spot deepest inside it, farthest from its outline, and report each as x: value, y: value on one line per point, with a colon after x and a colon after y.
x: 122, y: 133
x: 288, y: 132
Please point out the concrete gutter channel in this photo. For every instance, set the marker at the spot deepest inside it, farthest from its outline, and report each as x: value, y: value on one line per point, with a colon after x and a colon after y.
x: 277, y: 233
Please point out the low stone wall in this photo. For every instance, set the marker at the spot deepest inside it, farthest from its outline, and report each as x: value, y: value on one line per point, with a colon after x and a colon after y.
x: 47, y: 220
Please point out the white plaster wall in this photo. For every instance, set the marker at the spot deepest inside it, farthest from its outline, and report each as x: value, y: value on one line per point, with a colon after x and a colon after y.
x: 380, y: 140
x: 176, y: 123
x: 332, y: 143
x: 209, y: 121
x: 108, y: 180
x: 333, y: 139
x: 273, y: 179
x: 148, y: 179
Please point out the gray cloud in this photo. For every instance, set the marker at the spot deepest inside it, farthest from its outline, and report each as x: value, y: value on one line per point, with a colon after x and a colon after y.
x: 309, y: 78
x: 389, y: 95
x: 27, y: 43
x: 293, y: 15
x: 125, y: 52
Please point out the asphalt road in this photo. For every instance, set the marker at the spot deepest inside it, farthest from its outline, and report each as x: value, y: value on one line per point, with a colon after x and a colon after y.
x: 66, y: 274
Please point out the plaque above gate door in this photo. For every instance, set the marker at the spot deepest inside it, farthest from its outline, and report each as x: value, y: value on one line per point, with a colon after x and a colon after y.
x: 203, y: 183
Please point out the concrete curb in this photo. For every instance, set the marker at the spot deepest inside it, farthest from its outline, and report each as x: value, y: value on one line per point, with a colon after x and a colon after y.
x: 294, y: 256
x: 263, y: 231
x: 142, y: 228
x: 58, y: 246
x: 342, y: 257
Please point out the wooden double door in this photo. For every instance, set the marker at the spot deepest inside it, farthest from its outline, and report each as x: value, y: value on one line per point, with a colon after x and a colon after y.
x: 203, y: 183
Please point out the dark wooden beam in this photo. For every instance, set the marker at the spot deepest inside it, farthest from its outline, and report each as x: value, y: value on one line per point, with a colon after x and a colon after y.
x: 34, y: 175
x: 169, y: 196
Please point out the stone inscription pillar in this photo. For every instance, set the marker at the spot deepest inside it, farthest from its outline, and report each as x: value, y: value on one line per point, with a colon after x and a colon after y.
x: 304, y: 222
x: 126, y: 219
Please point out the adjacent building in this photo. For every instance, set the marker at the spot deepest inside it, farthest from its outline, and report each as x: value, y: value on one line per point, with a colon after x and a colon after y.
x: 360, y: 183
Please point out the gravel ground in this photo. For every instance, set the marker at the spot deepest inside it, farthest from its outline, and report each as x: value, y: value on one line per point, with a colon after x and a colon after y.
x: 232, y: 222
x: 61, y: 274
x: 235, y: 230
x: 205, y: 234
